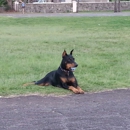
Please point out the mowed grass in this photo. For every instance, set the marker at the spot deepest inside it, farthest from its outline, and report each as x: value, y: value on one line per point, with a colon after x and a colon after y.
x: 32, y: 47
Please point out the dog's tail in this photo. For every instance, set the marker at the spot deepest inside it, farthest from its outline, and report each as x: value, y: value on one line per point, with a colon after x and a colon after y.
x: 27, y: 84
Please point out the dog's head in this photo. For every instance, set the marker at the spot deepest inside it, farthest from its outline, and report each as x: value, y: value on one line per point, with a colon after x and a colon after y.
x: 68, y: 61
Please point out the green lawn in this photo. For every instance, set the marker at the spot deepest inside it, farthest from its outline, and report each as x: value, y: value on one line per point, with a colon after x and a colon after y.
x: 31, y: 47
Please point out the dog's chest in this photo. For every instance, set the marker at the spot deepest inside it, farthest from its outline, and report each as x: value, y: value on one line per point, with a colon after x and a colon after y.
x: 68, y: 79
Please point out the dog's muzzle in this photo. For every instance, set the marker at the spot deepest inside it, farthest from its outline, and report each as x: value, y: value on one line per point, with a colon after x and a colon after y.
x: 74, y: 68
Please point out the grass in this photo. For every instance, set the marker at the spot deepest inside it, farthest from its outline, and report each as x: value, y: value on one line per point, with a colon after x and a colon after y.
x: 31, y: 47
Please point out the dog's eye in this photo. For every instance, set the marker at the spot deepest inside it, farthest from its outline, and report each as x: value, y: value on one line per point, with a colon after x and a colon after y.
x: 69, y: 59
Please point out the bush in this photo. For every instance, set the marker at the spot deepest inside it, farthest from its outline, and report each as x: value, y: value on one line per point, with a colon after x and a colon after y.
x: 3, y: 2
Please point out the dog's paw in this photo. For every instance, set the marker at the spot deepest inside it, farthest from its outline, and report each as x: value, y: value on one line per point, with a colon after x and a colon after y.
x: 74, y: 90
x: 80, y: 90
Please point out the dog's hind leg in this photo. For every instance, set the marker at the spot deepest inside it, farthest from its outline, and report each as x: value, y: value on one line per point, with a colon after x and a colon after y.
x: 43, y: 84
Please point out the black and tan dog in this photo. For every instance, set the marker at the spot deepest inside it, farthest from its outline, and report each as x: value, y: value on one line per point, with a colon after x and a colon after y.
x: 62, y: 77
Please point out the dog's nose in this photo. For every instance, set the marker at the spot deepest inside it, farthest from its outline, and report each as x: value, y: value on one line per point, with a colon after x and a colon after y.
x: 76, y: 65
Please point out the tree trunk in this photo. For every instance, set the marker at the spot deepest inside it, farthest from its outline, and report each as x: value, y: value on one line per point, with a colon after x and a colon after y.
x: 115, y: 6
x: 77, y: 6
x: 119, y: 5
x: 10, y: 4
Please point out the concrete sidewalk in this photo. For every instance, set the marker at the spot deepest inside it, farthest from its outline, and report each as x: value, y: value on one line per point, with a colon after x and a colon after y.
x: 98, y: 14
x: 97, y: 111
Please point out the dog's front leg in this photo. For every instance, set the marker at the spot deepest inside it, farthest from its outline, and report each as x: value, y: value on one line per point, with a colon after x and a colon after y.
x: 75, y: 90
x: 80, y: 90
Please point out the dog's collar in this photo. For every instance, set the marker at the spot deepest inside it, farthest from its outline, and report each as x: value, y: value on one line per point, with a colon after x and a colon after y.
x: 66, y: 71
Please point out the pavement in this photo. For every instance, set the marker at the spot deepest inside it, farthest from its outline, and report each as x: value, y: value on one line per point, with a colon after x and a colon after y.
x: 108, y: 110
x: 88, y: 14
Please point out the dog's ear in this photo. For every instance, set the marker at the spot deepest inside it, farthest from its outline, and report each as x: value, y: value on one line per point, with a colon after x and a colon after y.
x: 64, y: 53
x: 71, y: 52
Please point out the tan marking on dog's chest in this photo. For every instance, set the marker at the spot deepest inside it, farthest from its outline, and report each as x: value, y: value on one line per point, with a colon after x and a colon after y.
x: 65, y: 80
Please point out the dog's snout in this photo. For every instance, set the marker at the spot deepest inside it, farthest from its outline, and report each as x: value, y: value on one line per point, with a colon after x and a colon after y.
x: 76, y: 65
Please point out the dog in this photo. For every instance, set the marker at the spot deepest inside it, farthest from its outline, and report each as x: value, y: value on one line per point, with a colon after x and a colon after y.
x: 62, y: 77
